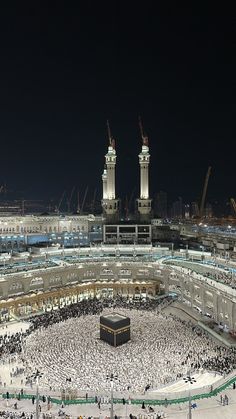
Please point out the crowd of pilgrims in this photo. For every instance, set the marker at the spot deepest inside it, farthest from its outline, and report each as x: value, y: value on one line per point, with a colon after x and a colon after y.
x: 220, y: 275
x: 11, y: 344
x: 225, y: 277
x: 15, y: 415
x: 64, y: 345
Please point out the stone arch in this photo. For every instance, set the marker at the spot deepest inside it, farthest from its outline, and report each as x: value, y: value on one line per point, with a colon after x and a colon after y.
x: 16, y: 286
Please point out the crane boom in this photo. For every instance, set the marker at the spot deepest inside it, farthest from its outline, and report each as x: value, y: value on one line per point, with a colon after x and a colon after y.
x: 59, y: 205
x: 205, y: 191
x: 69, y: 199
x: 93, y: 201
x: 85, y: 194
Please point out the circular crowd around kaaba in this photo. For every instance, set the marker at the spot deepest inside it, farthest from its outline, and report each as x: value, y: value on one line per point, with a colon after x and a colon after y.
x: 65, y: 346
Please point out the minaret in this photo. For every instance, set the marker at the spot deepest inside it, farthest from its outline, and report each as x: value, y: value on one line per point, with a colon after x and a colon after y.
x: 109, y: 202
x: 144, y: 202
x: 104, y: 183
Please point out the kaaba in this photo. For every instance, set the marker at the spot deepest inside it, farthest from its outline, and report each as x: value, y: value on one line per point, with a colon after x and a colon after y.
x: 115, y: 329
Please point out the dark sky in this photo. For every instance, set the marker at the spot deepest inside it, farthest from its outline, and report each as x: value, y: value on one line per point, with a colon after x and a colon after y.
x: 65, y: 70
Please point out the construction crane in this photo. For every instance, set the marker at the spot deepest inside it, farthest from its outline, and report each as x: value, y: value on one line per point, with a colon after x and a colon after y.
x: 78, y: 203
x: 233, y: 204
x: 204, y: 192
x: 93, y: 202
x: 60, y: 202
x: 85, y: 194
x: 69, y: 200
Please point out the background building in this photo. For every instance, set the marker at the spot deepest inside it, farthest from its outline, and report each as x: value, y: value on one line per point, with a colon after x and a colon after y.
x: 177, y: 209
x: 160, y: 207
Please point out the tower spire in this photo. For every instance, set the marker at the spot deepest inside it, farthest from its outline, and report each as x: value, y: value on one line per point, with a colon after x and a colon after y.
x: 143, y: 135
x: 111, y: 139
x: 110, y: 203
x: 109, y: 132
x: 144, y: 202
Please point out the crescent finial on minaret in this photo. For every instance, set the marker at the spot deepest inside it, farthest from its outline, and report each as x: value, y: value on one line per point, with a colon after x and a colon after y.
x: 143, y: 135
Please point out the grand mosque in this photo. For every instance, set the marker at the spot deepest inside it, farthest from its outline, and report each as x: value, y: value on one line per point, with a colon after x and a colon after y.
x: 93, y: 248
x: 58, y: 273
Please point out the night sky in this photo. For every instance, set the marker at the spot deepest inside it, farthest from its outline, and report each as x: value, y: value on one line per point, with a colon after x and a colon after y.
x: 66, y: 70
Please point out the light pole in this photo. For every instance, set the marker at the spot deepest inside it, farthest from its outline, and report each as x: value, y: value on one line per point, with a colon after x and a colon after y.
x: 112, y: 377
x: 36, y: 377
x: 126, y: 403
x: 46, y: 255
x: 172, y: 249
x: 186, y: 251
x: 134, y: 250
x: 189, y: 380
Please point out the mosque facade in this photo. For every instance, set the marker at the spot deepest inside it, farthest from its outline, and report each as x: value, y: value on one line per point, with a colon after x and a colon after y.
x: 23, y: 292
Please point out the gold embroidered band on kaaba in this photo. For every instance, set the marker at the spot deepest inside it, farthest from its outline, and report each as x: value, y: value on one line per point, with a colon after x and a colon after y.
x: 115, y: 332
